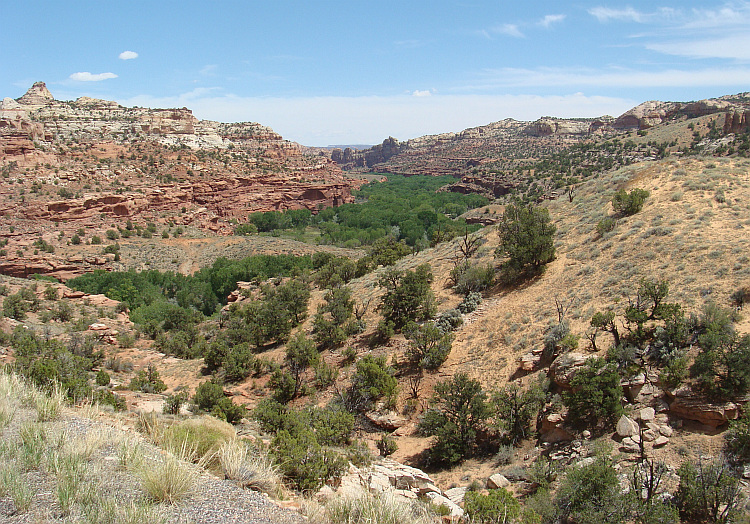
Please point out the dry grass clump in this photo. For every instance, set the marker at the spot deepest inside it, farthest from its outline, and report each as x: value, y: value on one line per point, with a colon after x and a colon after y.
x: 383, y: 509
x: 167, y: 480
x: 108, y: 510
x: 250, y: 468
x: 196, y: 440
x: 48, y: 405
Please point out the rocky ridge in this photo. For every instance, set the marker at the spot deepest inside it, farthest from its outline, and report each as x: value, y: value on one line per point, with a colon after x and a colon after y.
x: 92, y: 163
x: 492, y: 159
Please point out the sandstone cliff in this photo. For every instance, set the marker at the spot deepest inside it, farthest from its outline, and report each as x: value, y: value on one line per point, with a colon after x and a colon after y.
x: 92, y: 163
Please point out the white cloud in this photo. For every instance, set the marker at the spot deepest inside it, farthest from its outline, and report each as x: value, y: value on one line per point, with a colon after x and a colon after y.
x: 208, y: 69
x: 417, y: 92
x: 508, y: 30
x: 736, y: 46
x: 85, y: 76
x: 613, y: 77
x: 128, y: 55
x: 605, y: 14
x: 369, y: 119
x: 548, y: 20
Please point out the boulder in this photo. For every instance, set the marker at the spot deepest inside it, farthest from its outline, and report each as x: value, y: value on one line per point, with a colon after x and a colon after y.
x: 660, y: 441
x: 626, y: 427
x: 693, y: 407
x: 440, y: 500
x: 497, y: 481
x: 552, y: 429
x: 629, y: 445
x: 389, y: 420
x: 563, y: 368
x: 456, y: 495
x: 647, y: 414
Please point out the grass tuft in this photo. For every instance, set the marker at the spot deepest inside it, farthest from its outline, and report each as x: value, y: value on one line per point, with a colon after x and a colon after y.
x: 251, y: 468
x: 383, y: 509
x: 167, y: 480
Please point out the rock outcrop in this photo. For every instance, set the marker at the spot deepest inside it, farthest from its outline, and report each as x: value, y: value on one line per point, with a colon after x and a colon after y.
x: 91, y: 163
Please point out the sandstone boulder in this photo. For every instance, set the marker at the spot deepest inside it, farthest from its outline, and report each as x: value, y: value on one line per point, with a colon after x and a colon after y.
x: 553, y: 430
x: 693, y: 407
x: 389, y: 420
x: 497, y: 481
x: 563, y: 368
x: 626, y: 427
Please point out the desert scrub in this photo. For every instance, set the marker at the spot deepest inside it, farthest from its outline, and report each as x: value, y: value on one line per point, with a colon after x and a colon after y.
x: 167, y: 479
x: 383, y: 509
x: 196, y: 440
x: 250, y: 467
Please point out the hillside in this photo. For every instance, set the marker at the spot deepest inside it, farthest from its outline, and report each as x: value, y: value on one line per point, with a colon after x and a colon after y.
x: 688, y: 241
x: 86, y: 166
x: 500, y: 157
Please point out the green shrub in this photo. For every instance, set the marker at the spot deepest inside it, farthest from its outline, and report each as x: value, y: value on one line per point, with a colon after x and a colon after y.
x: 373, y: 380
x: 303, y: 462
x: 595, y: 395
x: 246, y: 229
x: 468, y: 278
x: 428, y: 345
x: 590, y: 494
x: 629, y: 203
x: 514, y: 409
x: 408, y: 296
x: 457, y: 411
x: 737, y: 439
x: 102, y: 378
x: 173, y: 403
x: 708, y: 491
x: 209, y: 397
x: 606, y: 225
x: 386, y: 445
x: 148, y: 381
x: 498, y: 506
x: 526, y: 241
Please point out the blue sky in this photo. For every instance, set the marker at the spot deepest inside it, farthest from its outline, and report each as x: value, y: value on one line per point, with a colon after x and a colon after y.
x: 331, y: 72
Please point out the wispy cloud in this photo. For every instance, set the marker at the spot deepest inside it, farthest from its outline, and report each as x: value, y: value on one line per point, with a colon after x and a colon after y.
x: 736, y: 47
x: 208, y: 69
x: 605, y: 14
x: 612, y: 77
x: 417, y: 92
x: 85, y: 76
x: 548, y: 20
x: 508, y: 30
x: 128, y: 55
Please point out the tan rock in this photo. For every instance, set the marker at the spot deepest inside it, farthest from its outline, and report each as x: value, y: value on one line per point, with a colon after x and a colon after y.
x: 563, y: 368
x: 497, y: 481
x: 647, y: 414
x: 456, y: 495
x: 626, y: 427
x: 389, y: 420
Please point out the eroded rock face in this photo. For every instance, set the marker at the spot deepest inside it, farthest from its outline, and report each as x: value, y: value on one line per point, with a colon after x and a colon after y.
x: 690, y: 406
x: 563, y: 368
x: 390, y: 478
x: 94, y: 164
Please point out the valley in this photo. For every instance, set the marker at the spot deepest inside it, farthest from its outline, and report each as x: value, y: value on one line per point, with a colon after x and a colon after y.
x: 136, y: 245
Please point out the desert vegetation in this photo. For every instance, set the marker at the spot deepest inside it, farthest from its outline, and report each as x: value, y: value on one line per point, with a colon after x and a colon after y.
x: 571, y: 348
